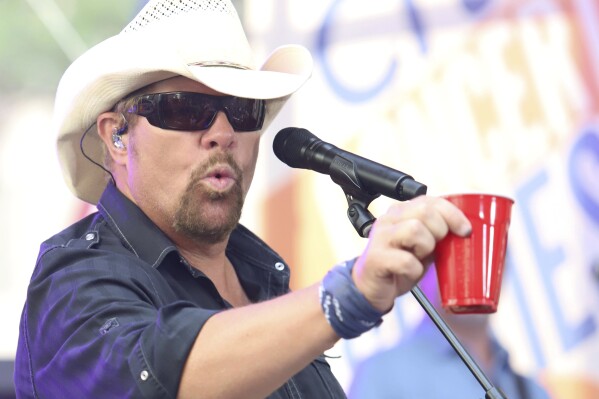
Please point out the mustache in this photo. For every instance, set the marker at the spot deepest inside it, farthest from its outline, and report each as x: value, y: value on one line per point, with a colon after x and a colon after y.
x: 218, y: 158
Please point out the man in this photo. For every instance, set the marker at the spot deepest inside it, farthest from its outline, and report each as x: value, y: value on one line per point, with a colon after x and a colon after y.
x: 441, y: 372
x: 161, y: 293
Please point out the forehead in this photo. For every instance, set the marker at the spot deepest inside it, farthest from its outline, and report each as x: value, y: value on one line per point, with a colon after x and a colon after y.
x: 179, y: 83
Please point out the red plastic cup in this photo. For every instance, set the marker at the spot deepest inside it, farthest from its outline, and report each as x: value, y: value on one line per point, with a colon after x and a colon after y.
x: 470, y: 270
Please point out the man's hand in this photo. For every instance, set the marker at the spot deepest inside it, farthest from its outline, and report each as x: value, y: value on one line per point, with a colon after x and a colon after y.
x: 401, y: 245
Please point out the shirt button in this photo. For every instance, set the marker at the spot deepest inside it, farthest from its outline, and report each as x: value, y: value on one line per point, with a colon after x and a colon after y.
x: 279, y: 266
x: 89, y: 236
x: 144, y: 375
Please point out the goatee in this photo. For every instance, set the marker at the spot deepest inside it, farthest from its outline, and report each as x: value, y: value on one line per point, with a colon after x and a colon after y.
x: 196, y: 216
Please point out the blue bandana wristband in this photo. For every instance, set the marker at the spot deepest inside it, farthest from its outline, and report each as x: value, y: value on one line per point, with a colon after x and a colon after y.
x: 346, y: 309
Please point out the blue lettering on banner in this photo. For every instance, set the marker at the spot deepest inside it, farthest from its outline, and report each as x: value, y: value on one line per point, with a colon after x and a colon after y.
x: 418, y: 28
x: 346, y: 93
x: 549, y: 259
x: 588, y: 143
x: 416, y: 24
x: 511, y: 278
x: 474, y: 6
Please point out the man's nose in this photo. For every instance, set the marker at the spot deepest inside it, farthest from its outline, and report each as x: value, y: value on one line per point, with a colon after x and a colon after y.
x: 220, y: 134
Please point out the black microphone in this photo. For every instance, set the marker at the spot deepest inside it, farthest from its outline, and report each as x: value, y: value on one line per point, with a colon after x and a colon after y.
x: 299, y: 148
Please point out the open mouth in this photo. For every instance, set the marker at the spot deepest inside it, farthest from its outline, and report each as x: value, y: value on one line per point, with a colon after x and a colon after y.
x: 220, y: 178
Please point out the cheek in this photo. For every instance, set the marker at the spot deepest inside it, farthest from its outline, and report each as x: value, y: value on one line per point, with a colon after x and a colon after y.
x: 249, y: 165
x: 160, y: 165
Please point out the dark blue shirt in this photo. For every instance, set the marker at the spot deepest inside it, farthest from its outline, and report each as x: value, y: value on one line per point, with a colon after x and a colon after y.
x: 112, y: 310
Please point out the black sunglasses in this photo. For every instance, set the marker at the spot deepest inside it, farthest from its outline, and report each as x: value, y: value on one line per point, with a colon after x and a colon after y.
x: 197, y: 111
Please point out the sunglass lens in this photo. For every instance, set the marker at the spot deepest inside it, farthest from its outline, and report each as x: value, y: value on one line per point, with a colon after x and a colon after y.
x: 181, y: 112
x: 245, y: 114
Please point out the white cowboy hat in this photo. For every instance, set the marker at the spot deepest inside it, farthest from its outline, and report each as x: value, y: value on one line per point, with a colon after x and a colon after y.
x: 199, y: 39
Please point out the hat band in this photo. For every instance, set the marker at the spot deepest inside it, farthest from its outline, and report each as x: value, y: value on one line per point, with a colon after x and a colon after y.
x: 219, y: 64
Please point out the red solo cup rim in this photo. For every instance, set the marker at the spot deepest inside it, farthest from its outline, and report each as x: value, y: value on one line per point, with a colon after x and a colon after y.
x: 478, y: 194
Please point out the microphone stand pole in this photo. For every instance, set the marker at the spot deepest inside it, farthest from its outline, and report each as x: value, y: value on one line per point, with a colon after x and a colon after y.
x: 362, y: 220
x: 491, y: 392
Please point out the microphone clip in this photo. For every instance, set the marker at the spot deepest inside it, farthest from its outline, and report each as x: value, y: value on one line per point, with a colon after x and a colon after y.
x: 343, y: 173
x: 359, y: 215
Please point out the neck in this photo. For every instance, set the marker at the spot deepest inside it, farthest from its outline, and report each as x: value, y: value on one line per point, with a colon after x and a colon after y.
x: 211, y: 260
x: 206, y: 257
x: 204, y: 248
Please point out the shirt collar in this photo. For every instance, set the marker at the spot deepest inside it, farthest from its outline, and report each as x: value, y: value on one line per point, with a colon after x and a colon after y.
x: 136, y: 230
x: 246, y: 249
x: 151, y: 245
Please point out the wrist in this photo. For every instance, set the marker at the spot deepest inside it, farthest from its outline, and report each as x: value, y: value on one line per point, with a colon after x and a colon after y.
x: 346, y: 309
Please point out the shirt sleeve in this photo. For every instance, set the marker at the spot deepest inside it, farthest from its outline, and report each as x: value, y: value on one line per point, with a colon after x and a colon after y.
x: 100, y: 324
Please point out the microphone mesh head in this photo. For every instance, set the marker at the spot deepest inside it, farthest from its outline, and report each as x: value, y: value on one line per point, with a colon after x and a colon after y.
x: 290, y: 143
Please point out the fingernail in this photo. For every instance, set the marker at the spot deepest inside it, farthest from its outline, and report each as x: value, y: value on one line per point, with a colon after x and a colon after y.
x: 466, y: 229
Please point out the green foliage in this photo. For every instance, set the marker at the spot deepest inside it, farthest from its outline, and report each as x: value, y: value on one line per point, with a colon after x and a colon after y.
x: 32, y: 58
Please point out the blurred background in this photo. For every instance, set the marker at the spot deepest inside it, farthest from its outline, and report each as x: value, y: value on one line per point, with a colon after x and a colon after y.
x: 464, y: 95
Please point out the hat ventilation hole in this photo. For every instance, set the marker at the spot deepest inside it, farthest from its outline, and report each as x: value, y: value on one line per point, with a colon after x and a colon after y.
x: 161, y: 9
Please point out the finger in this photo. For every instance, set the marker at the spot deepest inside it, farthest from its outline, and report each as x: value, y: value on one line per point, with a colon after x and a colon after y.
x: 415, y: 236
x: 395, y: 275
x: 457, y: 222
x: 438, y: 214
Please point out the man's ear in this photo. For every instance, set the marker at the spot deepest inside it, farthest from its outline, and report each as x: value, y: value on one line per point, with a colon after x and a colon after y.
x: 112, y: 127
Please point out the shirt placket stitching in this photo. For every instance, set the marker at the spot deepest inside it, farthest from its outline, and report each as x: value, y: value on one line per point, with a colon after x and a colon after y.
x: 293, y: 391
